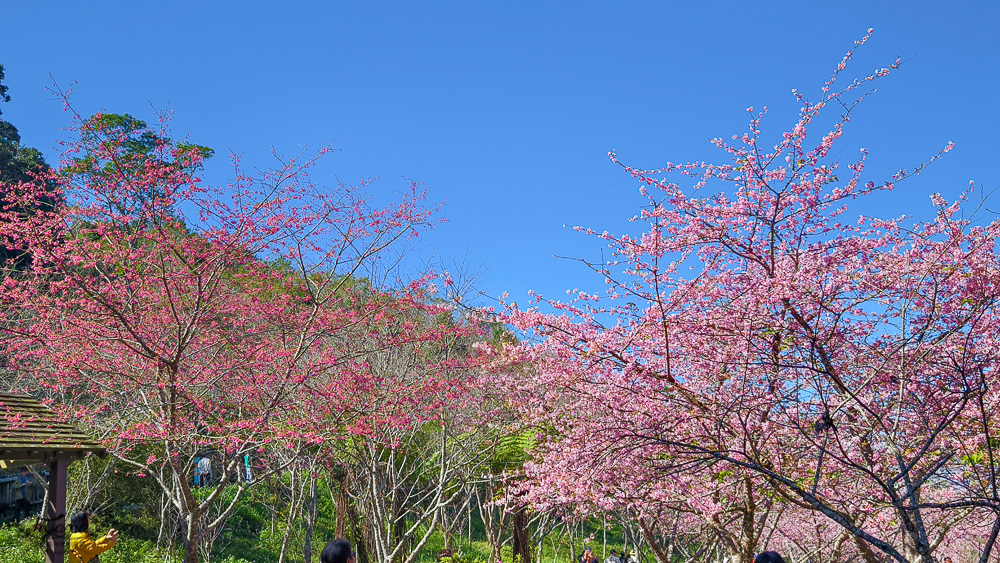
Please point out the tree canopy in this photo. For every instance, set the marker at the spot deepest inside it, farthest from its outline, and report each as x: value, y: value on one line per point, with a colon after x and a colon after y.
x: 762, y: 360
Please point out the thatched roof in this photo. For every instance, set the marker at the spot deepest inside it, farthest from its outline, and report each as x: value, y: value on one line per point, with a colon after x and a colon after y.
x: 31, y: 432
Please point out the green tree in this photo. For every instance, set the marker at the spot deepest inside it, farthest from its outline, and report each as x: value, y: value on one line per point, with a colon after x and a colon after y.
x: 137, y: 145
x: 18, y: 164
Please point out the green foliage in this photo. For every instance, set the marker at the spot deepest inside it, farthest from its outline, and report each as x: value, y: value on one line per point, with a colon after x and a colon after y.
x: 241, y: 539
x: 463, y: 552
x: 251, y: 536
x: 479, y: 551
x: 514, y: 449
x: 511, y: 451
x: 126, y: 501
x: 21, y: 543
x: 17, y: 163
x: 24, y: 543
x: 500, y: 335
x: 254, y: 533
x: 118, y: 149
x: 4, y: 96
x: 130, y: 550
x: 140, y: 145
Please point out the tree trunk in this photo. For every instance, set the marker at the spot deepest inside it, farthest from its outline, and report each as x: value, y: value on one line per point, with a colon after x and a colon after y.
x: 192, y: 538
x: 673, y: 537
x: 492, y: 525
x: 362, y: 538
x: 294, y: 500
x: 572, y: 542
x: 163, y: 520
x: 604, y: 538
x: 343, y: 507
x: 654, y: 546
x: 522, y: 543
x: 444, y: 527
x: 397, y: 534
x: 866, y: 551
x: 311, y: 514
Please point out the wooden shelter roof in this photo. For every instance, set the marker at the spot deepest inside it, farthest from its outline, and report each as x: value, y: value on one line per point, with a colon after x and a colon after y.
x: 31, y: 432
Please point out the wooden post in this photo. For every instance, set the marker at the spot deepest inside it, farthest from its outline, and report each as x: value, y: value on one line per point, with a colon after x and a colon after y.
x: 55, y: 511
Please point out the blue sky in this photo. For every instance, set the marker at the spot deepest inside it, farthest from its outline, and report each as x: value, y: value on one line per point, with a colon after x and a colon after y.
x: 507, y: 110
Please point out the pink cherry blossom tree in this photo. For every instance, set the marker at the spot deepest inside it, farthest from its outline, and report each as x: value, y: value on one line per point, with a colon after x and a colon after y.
x: 758, y: 328
x: 181, y: 320
x: 402, y: 424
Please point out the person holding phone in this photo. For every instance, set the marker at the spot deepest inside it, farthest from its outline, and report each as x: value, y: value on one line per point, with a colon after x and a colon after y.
x: 82, y: 549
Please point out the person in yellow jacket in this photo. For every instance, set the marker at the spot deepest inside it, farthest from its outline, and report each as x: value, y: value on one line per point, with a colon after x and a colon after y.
x: 82, y: 549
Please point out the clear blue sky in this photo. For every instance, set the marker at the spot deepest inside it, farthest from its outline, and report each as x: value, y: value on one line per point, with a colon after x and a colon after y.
x: 507, y: 110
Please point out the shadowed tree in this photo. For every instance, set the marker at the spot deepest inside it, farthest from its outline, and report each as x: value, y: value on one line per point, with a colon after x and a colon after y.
x: 19, y: 164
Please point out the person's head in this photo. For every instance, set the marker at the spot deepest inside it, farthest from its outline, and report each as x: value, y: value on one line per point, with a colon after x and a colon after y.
x: 614, y: 552
x: 769, y: 557
x: 337, y: 551
x: 24, y: 470
x: 947, y: 560
x: 80, y: 522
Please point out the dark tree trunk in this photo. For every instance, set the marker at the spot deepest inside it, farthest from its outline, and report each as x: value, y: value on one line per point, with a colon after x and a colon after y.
x: 343, y: 508
x: 192, y: 539
x: 399, y: 527
x: 866, y: 550
x: 522, y: 542
x: 649, y: 536
x: 361, y: 538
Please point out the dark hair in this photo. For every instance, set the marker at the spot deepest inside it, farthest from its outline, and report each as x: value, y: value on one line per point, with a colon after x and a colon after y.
x: 769, y: 557
x: 80, y: 522
x: 337, y: 551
